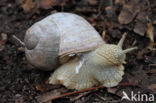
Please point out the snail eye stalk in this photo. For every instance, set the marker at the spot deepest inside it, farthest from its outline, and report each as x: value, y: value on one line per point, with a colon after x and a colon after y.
x: 120, y: 53
x: 122, y: 40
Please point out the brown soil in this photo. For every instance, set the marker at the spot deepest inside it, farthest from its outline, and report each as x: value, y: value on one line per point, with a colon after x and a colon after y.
x: 20, y: 83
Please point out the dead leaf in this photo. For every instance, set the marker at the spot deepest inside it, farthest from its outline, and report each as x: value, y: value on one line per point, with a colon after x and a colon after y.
x: 150, y: 35
x: 40, y: 88
x: 46, y: 4
x: 19, y: 98
x: 19, y: 1
x: 132, y: 79
x: 152, y: 87
x: 121, y: 2
x: 141, y: 22
x: 139, y: 78
x: 140, y: 28
x: 3, y: 39
x: 150, y: 32
x: 151, y: 45
x: 142, y: 16
x: 22, y: 49
x: 103, y: 34
x: 28, y: 5
x: 92, y: 2
x: 130, y: 10
x: 112, y: 90
x: 154, y: 22
x: 61, y: 2
x: 126, y: 15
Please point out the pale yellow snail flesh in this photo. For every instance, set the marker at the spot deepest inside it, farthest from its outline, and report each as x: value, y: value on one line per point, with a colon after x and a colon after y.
x: 102, y: 66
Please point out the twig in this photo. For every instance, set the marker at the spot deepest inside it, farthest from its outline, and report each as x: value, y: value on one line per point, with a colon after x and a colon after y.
x: 152, y: 64
x: 99, y: 8
x: 22, y: 43
x: 83, y: 90
x: 78, y: 97
x: 126, y: 84
x: 150, y: 6
x: 71, y: 93
x: 102, y: 4
x: 103, y: 34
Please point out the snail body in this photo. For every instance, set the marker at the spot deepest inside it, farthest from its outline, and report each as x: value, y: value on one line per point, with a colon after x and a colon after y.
x: 103, y: 66
x: 52, y: 41
x: 89, y: 70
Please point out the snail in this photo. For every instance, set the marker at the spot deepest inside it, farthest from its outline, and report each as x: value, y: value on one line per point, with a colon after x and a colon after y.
x: 68, y: 45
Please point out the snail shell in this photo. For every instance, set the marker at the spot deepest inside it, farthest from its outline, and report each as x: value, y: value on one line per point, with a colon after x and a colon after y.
x: 57, y: 36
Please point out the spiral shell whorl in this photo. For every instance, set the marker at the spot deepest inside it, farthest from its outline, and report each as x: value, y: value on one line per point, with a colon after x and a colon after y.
x: 40, y: 51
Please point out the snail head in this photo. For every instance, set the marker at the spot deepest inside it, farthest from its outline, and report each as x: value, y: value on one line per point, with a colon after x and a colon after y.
x: 113, y: 54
